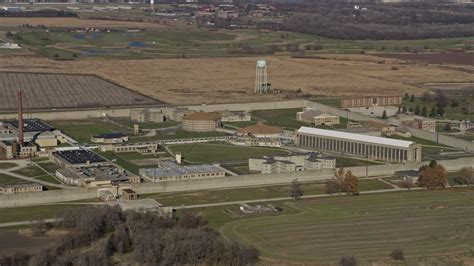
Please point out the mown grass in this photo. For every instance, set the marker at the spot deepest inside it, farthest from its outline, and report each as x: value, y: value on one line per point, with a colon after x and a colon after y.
x: 252, y: 193
x: 422, y: 223
x: 10, y: 180
x: 7, y: 165
x: 284, y: 118
x: 30, y: 171
x: 33, y: 213
x: 83, y: 130
x: 211, y: 153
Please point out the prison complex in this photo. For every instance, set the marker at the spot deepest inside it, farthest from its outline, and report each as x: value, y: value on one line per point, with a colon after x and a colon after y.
x: 376, y: 148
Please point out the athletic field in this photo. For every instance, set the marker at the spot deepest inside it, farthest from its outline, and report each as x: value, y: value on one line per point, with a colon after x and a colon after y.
x: 368, y: 227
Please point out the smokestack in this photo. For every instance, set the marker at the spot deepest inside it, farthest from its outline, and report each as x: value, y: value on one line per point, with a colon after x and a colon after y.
x: 19, y: 97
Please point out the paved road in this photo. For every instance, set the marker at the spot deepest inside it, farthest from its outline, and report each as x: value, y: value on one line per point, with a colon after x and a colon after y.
x: 52, y: 220
x: 287, y: 198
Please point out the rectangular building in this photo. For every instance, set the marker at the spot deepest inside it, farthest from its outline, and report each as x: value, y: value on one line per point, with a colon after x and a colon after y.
x: 170, y: 171
x: 104, y: 175
x: 375, y: 148
x: 316, y: 117
x: 291, y: 163
x: 20, y: 188
x: 369, y: 101
x: 77, y: 158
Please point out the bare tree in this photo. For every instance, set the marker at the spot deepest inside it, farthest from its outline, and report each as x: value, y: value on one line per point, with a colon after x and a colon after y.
x: 407, y: 183
x: 465, y: 176
x: 296, y: 190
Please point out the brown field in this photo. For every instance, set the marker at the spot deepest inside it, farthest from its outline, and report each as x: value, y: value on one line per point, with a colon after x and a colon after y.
x: 48, y: 91
x: 74, y: 22
x: 436, y: 58
x: 232, y: 79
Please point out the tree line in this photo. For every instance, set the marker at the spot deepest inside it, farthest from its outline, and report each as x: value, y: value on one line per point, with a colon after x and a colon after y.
x: 97, y: 235
x: 377, y: 21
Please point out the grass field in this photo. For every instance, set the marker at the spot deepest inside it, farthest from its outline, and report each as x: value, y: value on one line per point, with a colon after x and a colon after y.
x: 421, y: 223
x: 210, y: 153
x: 7, y: 165
x: 33, y: 213
x: 30, y: 171
x: 122, y: 162
x: 285, y: 118
x: 176, y: 134
x: 10, y: 180
x: 350, y: 162
x: 83, y: 130
x: 252, y: 193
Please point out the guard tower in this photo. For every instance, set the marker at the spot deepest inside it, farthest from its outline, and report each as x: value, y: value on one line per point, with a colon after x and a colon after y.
x: 261, y: 82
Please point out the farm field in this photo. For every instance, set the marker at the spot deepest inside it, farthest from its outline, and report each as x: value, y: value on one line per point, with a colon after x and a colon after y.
x: 436, y: 58
x: 211, y: 153
x: 252, y: 193
x: 336, y: 75
x: 56, y: 91
x: 426, y: 223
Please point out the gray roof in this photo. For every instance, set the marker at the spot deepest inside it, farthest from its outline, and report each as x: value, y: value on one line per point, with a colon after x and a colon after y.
x: 171, y: 169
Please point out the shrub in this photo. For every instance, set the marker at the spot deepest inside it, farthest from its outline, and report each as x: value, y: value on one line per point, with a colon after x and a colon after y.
x: 397, y: 254
x: 348, y: 261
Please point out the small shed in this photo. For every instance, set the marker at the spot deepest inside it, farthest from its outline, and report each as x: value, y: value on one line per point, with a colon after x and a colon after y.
x: 129, y: 194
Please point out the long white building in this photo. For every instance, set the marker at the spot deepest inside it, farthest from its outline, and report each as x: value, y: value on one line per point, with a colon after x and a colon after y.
x: 376, y: 148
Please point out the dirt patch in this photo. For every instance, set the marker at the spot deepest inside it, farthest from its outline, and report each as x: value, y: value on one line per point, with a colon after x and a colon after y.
x: 436, y: 58
x: 11, y: 241
x: 46, y: 91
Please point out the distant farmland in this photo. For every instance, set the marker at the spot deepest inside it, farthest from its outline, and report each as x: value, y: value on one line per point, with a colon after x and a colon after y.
x: 428, y: 223
x: 60, y: 91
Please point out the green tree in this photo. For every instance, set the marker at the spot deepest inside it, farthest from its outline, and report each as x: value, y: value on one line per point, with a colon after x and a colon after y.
x: 440, y: 111
x: 417, y: 110
x: 433, y: 111
x: 404, y: 110
x: 412, y: 98
x: 384, y: 115
x: 424, y: 111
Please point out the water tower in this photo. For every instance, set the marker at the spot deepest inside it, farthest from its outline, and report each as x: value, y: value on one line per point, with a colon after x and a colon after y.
x: 261, y: 81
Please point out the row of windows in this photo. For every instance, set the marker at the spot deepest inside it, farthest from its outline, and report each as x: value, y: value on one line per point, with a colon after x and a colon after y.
x: 356, y: 148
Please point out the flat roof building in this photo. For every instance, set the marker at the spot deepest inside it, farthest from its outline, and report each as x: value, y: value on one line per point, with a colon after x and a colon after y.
x: 291, y: 163
x: 317, y: 117
x: 114, y: 137
x: 104, y: 175
x: 170, y: 171
x: 375, y: 148
x: 76, y: 157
